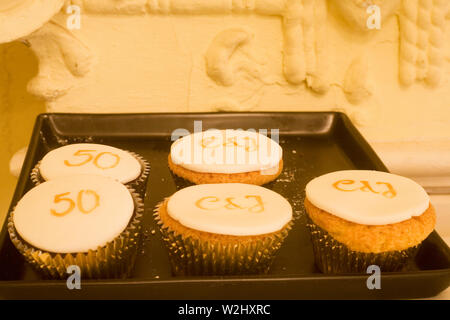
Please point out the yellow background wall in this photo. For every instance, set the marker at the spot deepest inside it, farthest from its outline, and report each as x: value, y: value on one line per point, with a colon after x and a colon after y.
x: 18, y: 110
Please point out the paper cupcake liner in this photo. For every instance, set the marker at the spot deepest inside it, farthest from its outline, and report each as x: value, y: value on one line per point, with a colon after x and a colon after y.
x: 190, y: 256
x: 113, y: 260
x: 139, y: 184
x: 333, y: 257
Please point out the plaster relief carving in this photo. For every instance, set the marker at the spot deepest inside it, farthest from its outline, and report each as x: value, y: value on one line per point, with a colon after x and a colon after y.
x: 304, y: 23
x: 199, y: 7
x: 305, y: 43
x: 233, y: 62
x: 304, y: 28
x: 113, y: 6
x: 19, y: 18
x: 218, y: 65
x: 356, y: 87
x: 62, y: 58
x: 355, y: 11
x: 422, y: 27
x: 265, y: 7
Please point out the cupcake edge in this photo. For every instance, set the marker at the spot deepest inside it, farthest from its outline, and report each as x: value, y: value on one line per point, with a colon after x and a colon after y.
x: 113, y: 260
x: 333, y: 257
x: 374, y: 238
x: 252, y: 177
x: 196, y: 256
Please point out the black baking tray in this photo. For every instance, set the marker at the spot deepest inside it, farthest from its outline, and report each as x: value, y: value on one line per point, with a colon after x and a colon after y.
x: 313, y: 144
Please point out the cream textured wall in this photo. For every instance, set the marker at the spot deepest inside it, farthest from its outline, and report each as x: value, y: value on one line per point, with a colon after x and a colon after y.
x: 18, y: 110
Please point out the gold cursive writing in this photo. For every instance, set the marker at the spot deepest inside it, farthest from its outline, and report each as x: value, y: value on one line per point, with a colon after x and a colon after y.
x: 89, y: 157
x: 80, y: 200
x: 64, y: 197
x: 365, y: 186
x: 231, y: 203
x: 199, y: 202
x: 249, y: 144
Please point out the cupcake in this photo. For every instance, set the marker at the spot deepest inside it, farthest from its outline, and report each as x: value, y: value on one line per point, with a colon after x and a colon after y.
x: 89, y: 221
x: 88, y: 158
x: 359, y: 218
x: 226, y: 156
x: 223, y: 229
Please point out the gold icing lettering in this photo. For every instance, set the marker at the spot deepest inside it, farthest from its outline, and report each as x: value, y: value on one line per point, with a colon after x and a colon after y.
x: 366, y: 187
x: 231, y: 203
x: 231, y: 141
x: 199, y: 202
x: 347, y: 182
x: 81, y: 153
x: 60, y: 198
x: 111, y: 166
x: 80, y: 201
x: 63, y: 198
x: 208, y: 142
x: 249, y: 145
x: 90, y: 158
x: 259, y: 207
x: 390, y: 193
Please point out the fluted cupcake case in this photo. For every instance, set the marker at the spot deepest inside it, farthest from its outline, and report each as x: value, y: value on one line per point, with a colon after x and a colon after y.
x: 333, y: 257
x: 113, y: 260
x: 210, y: 256
x: 359, y: 218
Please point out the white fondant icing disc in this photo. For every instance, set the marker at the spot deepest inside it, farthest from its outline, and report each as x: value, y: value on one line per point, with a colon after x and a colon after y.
x: 19, y: 18
x: 368, y: 197
x: 88, y: 158
x: 226, y: 151
x: 73, y: 214
x: 230, y: 209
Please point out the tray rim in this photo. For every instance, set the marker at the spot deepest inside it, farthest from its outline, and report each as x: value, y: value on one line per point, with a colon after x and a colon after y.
x: 336, y: 116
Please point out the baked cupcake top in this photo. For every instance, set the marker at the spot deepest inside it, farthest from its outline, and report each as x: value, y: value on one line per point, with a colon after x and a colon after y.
x: 368, y: 197
x: 89, y: 158
x: 226, y: 151
x: 73, y: 214
x: 230, y: 209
